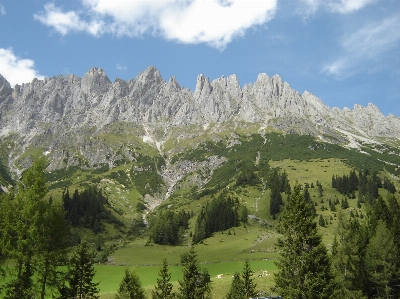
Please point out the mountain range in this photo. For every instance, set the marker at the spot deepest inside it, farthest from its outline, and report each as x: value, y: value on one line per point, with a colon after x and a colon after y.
x: 90, y: 122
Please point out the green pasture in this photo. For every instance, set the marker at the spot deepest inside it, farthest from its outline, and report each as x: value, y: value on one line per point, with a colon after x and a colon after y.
x: 110, y: 276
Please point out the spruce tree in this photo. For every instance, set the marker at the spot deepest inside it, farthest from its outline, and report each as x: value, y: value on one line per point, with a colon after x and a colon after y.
x: 249, y: 287
x: 196, y: 282
x: 79, y: 280
x: 347, y: 262
x: 304, y: 267
x: 237, y: 288
x: 51, y: 249
x: 33, y: 235
x: 380, y: 263
x: 130, y: 287
x: 163, y: 289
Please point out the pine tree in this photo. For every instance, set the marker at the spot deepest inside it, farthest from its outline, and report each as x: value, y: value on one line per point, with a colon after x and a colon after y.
x: 321, y: 221
x: 381, y: 262
x: 347, y: 263
x: 320, y: 189
x: 237, y: 288
x: 196, y: 282
x: 79, y: 280
x: 163, y: 289
x: 130, y: 287
x: 51, y: 247
x: 249, y: 287
x: 24, y: 226
x: 276, y: 197
x: 304, y: 267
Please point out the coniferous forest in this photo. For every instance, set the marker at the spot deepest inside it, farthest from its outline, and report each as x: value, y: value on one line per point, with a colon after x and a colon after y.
x: 38, y: 259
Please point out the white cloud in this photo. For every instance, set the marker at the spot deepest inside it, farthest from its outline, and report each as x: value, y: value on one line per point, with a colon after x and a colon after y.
x: 15, y: 69
x: 367, y: 44
x: 2, y: 10
x: 65, y: 22
x: 121, y: 67
x: 348, y: 6
x: 334, y: 6
x: 215, y: 22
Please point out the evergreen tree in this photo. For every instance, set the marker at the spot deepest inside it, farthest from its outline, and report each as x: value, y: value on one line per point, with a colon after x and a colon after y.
x: 304, y: 267
x: 394, y: 224
x: 51, y: 249
x: 163, y: 289
x: 25, y: 226
x: 344, y: 204
x: 347, y: 258
x: 381, y: 263
x: 275, y: 200
x: 79, y: 280
x: 249, y: 287
x: 321, y: 220
x: 320, y: 189
x: 277, y: 185
x: 307, y: 197
x: 196, y: 282
x: 245, y: 215
x: 130, y: 287
x: 237, y: 288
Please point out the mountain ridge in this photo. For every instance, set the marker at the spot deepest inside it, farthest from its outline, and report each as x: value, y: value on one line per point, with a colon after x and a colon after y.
x: 45, y: 112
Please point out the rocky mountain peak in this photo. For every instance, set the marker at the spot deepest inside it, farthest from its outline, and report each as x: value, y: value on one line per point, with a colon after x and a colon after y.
x: 5, y: 87
x: 95, y: 81
x: 172, y: 83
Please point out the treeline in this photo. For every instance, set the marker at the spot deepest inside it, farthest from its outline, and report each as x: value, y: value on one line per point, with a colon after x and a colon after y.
x: 87, y: 208
x: 168, y: 227
x: 218, y: 215
x: 366, y: 184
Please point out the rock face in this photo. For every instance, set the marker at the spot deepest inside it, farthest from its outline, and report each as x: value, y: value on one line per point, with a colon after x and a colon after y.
x: 43, y: 112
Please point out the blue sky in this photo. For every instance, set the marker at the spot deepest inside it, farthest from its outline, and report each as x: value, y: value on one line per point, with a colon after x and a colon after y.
x: 344, y: 52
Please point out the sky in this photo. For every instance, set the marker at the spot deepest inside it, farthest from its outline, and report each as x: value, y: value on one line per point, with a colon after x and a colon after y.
x: 346, y: 52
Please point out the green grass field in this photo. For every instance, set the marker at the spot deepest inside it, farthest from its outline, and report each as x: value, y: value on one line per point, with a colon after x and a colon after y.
x: 110, y: 276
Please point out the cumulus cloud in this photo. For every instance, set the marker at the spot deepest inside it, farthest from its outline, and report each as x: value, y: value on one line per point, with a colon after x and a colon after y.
x: 215, y: 22
x: 65, y: 22
x: 15, y: 69
x: 334, y: 6
x: 368, y: 43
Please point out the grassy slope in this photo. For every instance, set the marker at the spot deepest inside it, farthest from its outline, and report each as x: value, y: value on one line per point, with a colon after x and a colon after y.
x: 303, y: 158
x: 225, y: 253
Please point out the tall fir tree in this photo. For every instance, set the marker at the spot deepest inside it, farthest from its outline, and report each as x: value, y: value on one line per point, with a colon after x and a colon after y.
x: 130, y: 287
x: 30, y: 193
x: 347, y: 261
x: 249, y: 286
x: 236, y: 290
x: 196, y: 282
x: 163, y: 289
x: 51, y: 249
x: 304, y: 269
x: 380, y: 263
x: 79, y: 280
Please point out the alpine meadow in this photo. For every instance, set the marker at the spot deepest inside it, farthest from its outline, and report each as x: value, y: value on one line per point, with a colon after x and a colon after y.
x: 146, y: 189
